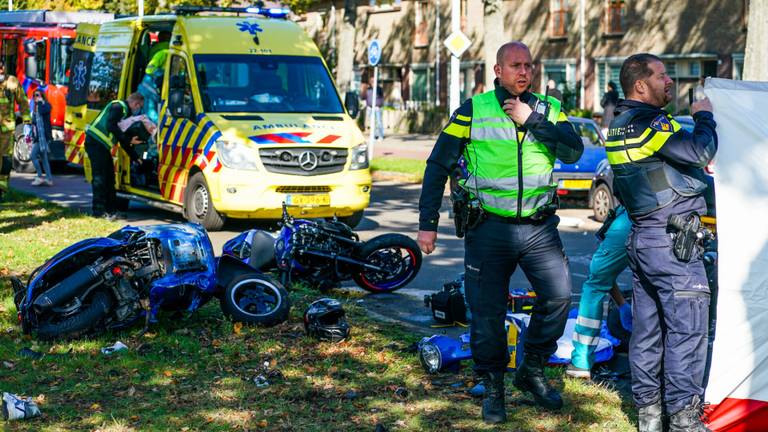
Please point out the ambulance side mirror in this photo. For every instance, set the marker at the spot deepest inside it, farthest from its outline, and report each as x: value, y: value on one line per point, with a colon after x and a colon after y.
x: 30, y: 47
x: 177, y: 104
x: 30, y: 67
x: 352, y: 102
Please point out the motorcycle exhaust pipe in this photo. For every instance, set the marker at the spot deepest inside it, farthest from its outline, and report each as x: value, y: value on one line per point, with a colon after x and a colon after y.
x: 65, y: 290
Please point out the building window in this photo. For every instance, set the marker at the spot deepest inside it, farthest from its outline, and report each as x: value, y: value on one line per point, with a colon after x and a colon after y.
x: 615, y: 11
x: 421, y: 35
x: 607, y: 72
x: 561, y: 73
x: 738, y: 66
x: 694, y: 69
x: 671, y: 69
x: 558, y: 17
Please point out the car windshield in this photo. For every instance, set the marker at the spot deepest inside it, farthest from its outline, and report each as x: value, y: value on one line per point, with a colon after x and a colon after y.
x: 588, y: 133
x: 265, y: 84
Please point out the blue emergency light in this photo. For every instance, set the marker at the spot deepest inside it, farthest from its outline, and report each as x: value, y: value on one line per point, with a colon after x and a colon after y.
x: 269, y: 12
x: 277, y: 13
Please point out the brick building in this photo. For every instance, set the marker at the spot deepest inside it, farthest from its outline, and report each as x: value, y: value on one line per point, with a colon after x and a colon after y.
x: 695, y: 38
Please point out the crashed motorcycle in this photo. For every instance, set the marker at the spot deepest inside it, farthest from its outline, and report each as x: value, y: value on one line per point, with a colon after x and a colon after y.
x: 325, y: 253
x: 112, y: 282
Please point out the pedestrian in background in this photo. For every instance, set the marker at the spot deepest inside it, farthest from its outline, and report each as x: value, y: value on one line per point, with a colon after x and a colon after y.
x: 658, y: 169
x: 502, y: 134
x: 42, y: 138
x: 608, y: 102
x: 375, y: 114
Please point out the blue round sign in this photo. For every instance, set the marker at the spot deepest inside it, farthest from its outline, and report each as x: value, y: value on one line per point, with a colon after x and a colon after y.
x: 374, y: 52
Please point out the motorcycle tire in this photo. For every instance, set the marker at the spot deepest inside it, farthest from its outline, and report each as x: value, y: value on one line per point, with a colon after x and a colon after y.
x: 254, y: 298
x: 84, y: 322
x: 398, y: 254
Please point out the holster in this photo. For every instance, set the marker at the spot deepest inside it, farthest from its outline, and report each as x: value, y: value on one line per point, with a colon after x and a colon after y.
x: 688, y: 236
x: 609, y: 219
x: 467, y: 211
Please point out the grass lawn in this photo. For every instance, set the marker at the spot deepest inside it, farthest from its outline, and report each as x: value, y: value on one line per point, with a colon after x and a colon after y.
x: 412, y: 169
x: 197, y: 373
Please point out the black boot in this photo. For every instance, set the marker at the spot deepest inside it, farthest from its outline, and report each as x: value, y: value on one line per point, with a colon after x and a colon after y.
x: 688, y: 419
x: 649, y: 418
x: 530, y: 377
x: 493, y: 397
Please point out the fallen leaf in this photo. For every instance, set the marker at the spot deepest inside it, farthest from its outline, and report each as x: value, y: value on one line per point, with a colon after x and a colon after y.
x: 95, y: 407
x: 262, y: 424
x: 237, y: 327
x: 132, y: 391
x: 135, y: 418
x: 167, y: 373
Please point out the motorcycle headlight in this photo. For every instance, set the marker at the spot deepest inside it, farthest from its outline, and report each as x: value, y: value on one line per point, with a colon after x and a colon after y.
x: 236, y: 155
x: 359, y: 157
x: 430, y: 357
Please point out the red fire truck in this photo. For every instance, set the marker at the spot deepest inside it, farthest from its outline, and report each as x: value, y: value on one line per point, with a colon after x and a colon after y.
x: 36, y: 47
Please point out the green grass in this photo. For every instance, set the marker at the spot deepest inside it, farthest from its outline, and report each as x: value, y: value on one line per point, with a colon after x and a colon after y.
x: 197, y: 373
x: 412, y: 169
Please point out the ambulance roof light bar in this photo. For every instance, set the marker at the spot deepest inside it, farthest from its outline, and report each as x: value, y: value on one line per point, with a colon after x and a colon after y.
x: 278, y: 13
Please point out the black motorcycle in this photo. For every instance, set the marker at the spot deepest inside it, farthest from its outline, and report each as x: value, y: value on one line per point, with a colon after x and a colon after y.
x: 325, y: 253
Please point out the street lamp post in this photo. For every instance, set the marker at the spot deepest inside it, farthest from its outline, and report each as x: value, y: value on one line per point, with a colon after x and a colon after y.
x: 455, y: 61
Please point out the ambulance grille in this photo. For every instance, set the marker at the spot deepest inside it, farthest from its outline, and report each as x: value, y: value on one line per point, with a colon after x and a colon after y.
x: 307, y: 161
x: 303, y: 189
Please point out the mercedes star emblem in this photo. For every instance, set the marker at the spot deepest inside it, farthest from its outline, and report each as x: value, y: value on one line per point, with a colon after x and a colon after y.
x: 308, y: 161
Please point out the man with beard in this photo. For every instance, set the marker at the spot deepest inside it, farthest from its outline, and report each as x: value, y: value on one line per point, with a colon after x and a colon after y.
x: 509, y: 138
x: 658, y: 176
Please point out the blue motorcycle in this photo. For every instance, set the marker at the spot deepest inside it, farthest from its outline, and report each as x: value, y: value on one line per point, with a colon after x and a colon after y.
x: 112, y: 282
x: 325, y: 253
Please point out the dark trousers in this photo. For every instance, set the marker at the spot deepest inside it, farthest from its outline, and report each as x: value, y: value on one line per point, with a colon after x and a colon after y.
x: 670, y: 313
x: 103, y: 173
x: 493, y: 250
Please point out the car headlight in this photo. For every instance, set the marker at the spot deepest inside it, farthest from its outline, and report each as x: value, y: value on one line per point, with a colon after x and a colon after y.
x: 236, y: 155
x: 430, y: 357
x: 359, y: 157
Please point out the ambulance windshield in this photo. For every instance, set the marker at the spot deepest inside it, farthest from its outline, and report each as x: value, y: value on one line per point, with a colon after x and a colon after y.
x: 265, y: 84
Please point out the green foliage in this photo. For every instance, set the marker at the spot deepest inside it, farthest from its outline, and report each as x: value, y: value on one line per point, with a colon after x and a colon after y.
x: 578, y: 112
x: 299, y: 6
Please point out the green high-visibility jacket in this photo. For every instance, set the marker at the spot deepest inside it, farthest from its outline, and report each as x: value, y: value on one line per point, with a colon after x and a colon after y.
x: 512, y: 176
x: 99, y: 129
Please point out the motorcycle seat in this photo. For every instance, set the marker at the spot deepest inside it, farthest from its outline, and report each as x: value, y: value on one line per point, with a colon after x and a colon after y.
x: 262, y: 250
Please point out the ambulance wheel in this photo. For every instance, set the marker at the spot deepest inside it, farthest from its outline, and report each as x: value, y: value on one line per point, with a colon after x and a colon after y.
x: 352, y: 220
x: 198, y: 205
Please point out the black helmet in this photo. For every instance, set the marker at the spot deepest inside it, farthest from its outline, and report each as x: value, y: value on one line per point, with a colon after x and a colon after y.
x: 324, y: 320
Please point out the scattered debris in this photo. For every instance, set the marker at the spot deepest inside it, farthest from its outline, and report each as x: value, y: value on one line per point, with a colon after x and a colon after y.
x: 261, y: 381
x: 28, y: 352
x: 477, y: 391
x: 18, y: 408
x: 117, y: 347
x: 401, y: 392
x: 350, y: 395
x: 8, y: 365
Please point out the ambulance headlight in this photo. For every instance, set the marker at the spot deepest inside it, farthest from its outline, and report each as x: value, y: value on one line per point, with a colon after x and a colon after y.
x: 430, y: 357
x: 236, y: 155
x: 359, y: 157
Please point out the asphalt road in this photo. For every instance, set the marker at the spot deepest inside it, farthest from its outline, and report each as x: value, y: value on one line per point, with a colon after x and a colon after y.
x: 393, y: 208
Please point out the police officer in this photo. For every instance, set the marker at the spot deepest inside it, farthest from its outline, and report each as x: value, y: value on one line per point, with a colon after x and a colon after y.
x: 11, y: 94
x: 100, y: 136
x: 657, y: 167
x: 509, y: 138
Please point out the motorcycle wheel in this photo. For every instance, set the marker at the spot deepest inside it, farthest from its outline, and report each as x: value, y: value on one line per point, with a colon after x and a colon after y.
x: 400, y: 257
x: 83, y: 322
x: 257, y: 299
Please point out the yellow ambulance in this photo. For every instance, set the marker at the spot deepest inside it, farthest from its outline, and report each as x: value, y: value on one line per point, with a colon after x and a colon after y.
x: 248, y: 117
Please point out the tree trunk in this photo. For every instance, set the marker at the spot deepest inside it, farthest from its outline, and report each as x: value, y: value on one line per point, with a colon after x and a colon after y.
x: 493, y: 37
x: 755, y: 60
x: 347, y: 36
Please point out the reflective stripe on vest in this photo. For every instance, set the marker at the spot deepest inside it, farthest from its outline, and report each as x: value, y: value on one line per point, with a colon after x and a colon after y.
x: 98, y: 128
x: 503, y: 187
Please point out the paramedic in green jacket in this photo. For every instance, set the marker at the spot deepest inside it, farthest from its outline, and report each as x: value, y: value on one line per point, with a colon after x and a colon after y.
x: 509, y: 138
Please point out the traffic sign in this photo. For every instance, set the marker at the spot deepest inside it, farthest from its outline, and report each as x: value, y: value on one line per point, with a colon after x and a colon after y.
x: 457, y: 43
x: 374, y: 52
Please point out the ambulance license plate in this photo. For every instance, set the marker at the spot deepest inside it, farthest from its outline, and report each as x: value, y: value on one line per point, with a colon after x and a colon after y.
x: 576, y: 184
x: 308, y: 200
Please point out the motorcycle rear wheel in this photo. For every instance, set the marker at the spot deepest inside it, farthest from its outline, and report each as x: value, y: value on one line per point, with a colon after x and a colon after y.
x: 84, y: 322
x: 254, y: 298
x: 400, y: 257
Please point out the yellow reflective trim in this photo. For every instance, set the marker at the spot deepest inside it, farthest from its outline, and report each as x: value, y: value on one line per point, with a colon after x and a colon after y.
x: 617, y: 158
x: 653, y: 145
x: 562, y: 117
x: 463, y: 118
x: 457, y: 130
